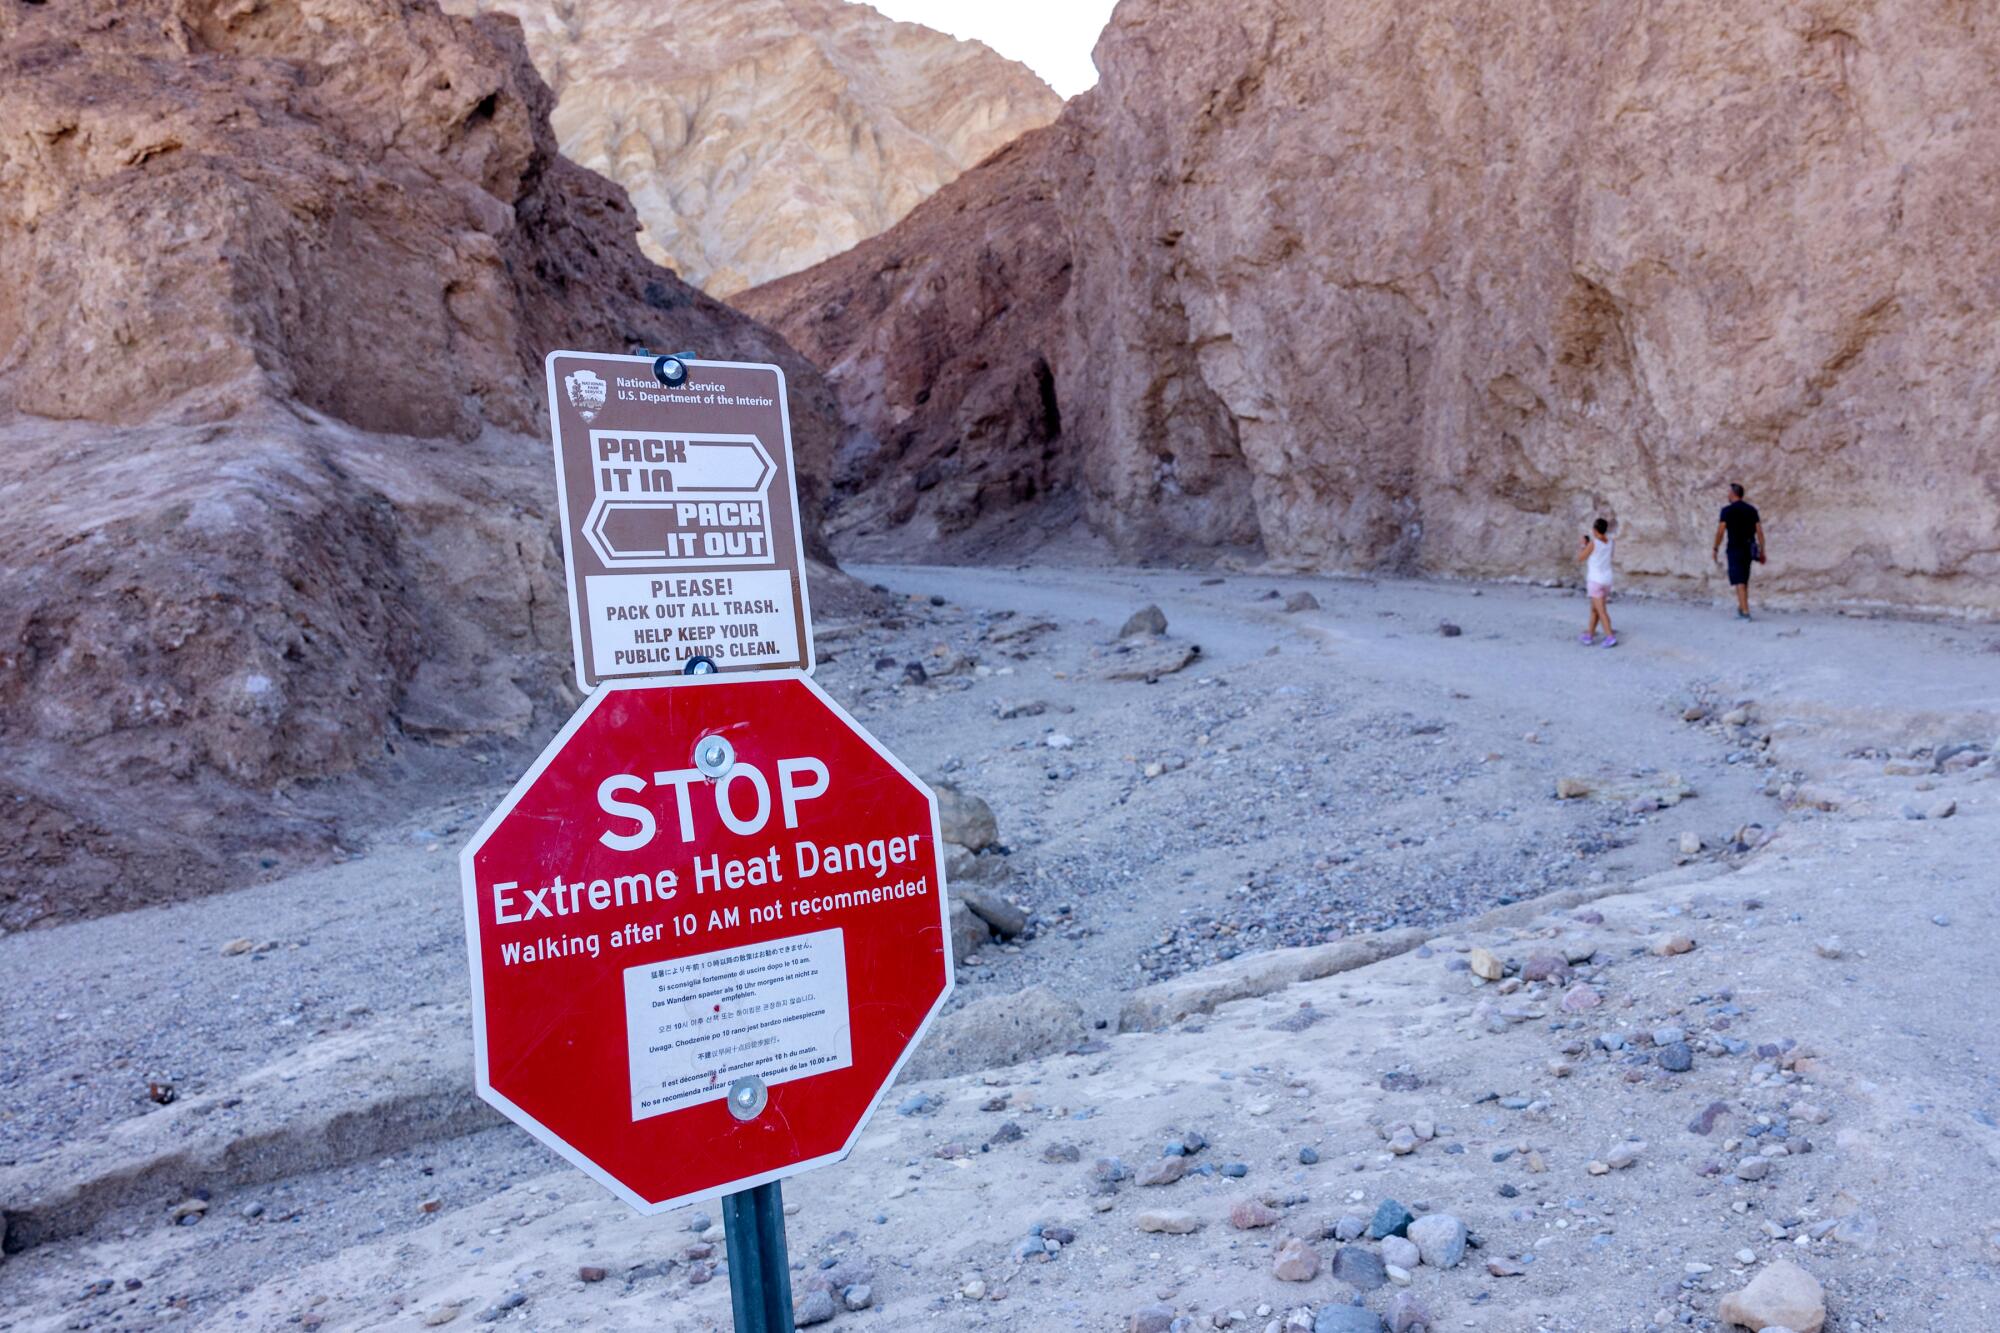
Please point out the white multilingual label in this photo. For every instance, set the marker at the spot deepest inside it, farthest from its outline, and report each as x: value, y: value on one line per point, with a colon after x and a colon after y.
x: 776, y: 1010
x: 654, y: 621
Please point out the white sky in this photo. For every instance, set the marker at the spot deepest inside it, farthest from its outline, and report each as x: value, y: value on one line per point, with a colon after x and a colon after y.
x: 1051, y: 37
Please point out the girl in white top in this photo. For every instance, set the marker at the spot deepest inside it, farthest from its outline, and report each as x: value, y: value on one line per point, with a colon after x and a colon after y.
x: 1596, y: 557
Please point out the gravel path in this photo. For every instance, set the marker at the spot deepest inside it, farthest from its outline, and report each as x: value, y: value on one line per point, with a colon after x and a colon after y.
x: 1315, y: 772
x: 1323, y: 771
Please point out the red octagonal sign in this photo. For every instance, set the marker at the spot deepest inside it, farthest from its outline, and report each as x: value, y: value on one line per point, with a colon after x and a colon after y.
x: 706, y: 929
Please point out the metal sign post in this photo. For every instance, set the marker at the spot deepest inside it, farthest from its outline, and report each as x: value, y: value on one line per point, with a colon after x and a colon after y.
x: 760, y: 1276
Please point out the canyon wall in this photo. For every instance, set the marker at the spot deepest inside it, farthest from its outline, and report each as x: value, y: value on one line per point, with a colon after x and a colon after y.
x: 1426, y: 287
x: 757, y: 137
x: 276, y: 281
x: 941, y: 335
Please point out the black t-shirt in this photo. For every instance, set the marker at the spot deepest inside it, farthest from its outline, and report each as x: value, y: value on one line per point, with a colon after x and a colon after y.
x: 1739, y: 519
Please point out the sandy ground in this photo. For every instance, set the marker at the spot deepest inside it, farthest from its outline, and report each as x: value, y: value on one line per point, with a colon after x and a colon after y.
x: 1313, y: 774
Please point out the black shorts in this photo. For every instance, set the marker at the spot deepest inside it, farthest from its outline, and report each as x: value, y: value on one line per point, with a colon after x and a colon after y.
x: 1739, y: 567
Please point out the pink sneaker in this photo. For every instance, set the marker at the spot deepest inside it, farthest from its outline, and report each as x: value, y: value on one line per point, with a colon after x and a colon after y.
x: 1610, y: 641
x: 1587, y: 640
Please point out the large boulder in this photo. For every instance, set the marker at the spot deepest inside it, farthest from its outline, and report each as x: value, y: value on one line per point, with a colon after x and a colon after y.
x: 965, y: 820
x: 1782, y: 1295
x: 999, y: 1030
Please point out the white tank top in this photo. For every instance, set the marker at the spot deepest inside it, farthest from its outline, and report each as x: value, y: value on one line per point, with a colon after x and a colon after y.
x: 1598, y: 568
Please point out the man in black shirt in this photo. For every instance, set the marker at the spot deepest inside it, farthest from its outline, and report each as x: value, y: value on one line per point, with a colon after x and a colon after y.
x: 1743, y: 530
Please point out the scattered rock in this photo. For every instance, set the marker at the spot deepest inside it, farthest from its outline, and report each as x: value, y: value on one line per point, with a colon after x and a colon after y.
x: 1667, y: 946
x: 1346, y: 1319
x: 1440, y: 1238
x: 1163, y: 1171
x: 969, y: 934
x: 1581, y: 997
x: 857, y: 1296
x: 1155, y: 1318
x: 1572, y: 789
x: 1391, y: 1219
x: 1624, y: 1155
x: 965, y: 819
x: 1406, y: 1314
x: 1004, y: 917
x: 1301, y: 601
x: 1753, y: 1168
x: 1690, y: 843
x: 1830, y: 947
x: 1364, y: 1270
x: 1295, y: 1261
x: 238, y: 946
x: 1400, y: 1252
x: 1784, y: 1294
x: 1250, y: 1214
x: 1676, y: 1057
x: 815, y: 1307
x: 1545, y: 967
x: 1146, y: 620
x: 1485, y: 965
x: 591, y: 1273
x: 1149, y: 659
x: 1449, y: 630
x: 1170, y: 1221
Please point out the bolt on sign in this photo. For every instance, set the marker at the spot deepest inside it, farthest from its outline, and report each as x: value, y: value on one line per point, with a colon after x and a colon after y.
x: 706, y: 929
x: 680, y: 516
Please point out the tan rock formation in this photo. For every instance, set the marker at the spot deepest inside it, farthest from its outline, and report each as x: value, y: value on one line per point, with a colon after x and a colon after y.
x: 757, y: 137
x: 1428, y: 286
x: 275, y: 285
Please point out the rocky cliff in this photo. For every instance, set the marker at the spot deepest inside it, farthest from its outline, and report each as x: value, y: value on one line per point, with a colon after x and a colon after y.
x: 275, y: 285
x: 941, y: 335
x: 757, y: 137
x: 1427, y: 286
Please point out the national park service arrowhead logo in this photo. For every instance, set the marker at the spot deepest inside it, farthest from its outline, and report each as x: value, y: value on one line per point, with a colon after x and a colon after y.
x: 586, y: 392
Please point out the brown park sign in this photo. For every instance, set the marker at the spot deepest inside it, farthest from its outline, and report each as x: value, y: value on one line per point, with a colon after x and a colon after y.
x: 680, y: 517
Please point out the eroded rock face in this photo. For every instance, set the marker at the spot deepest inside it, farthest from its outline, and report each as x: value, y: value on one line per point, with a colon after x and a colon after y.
x: 757, y: 137
x: 1428, y: 287
x: 275, y: 286
x: 941, y: 338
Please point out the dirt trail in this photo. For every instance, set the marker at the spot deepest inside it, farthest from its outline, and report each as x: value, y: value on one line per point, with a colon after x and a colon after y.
x: 1328, y: 770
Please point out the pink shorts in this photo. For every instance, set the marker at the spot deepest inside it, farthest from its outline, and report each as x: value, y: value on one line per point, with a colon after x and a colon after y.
x: 1597, y: 590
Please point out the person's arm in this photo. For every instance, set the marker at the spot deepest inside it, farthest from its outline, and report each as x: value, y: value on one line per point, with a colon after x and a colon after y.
x: 1715, y: 550
x: 1584, y: 553
x: 1762, y: 554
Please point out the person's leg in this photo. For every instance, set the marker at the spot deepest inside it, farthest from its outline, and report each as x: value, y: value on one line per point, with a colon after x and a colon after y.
x: 1739, y: 582
x: 1603, y: 610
